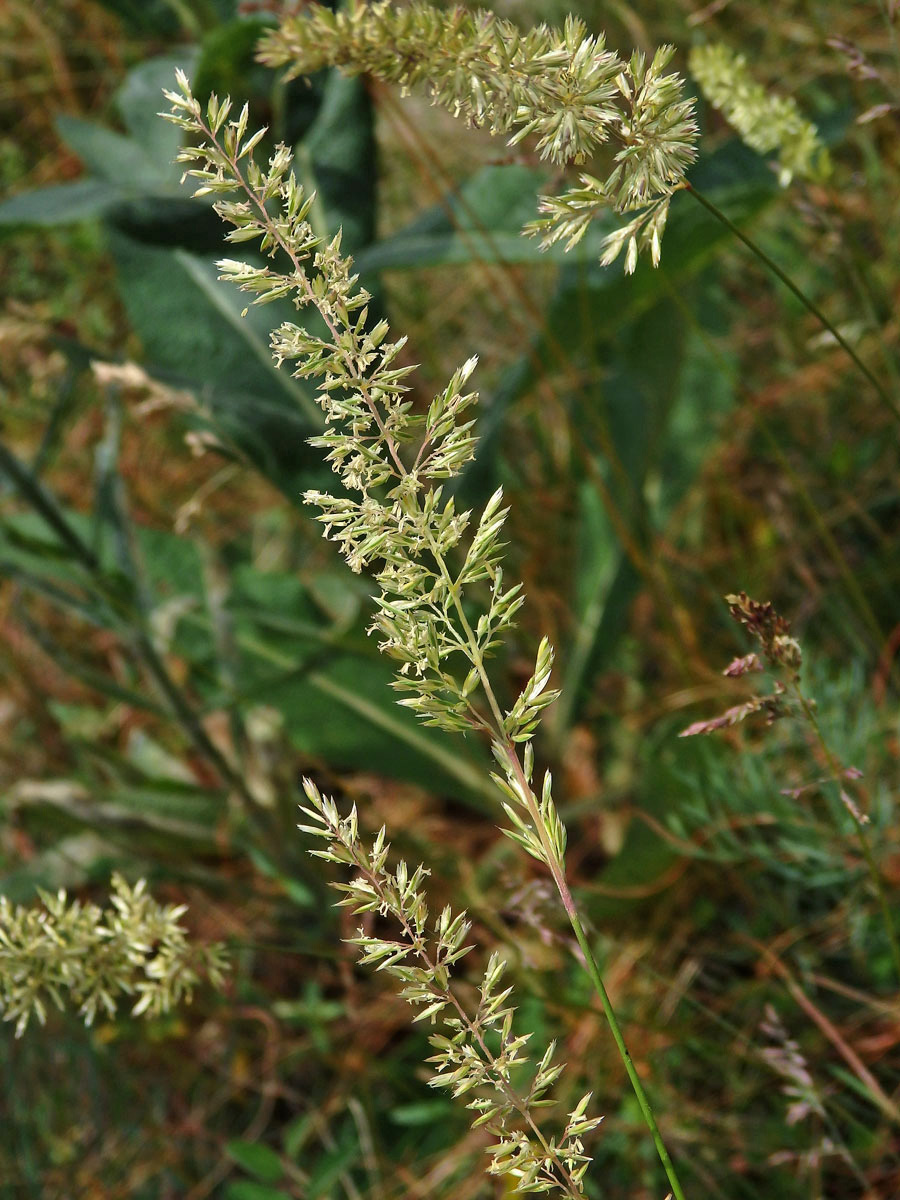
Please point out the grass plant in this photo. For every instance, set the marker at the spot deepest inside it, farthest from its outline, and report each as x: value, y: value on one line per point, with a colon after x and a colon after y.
x: 180, y: 650
x: 415, y: 535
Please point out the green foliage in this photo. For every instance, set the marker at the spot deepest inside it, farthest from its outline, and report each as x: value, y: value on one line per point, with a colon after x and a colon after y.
x: 165, y: 248
x: 258, y: 1159
x: 178, y: 648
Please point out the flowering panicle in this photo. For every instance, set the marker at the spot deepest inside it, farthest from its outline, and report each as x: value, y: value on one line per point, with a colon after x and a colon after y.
x: 136, y: 947
x: 561, y: 87
x: 765, y: 122
x: 477, y: 1052
x: 781, y: 655
x: 442, y: 610
x: 391, y: 516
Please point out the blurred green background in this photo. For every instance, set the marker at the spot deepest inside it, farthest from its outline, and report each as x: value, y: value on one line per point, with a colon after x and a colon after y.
x: 178, y: 645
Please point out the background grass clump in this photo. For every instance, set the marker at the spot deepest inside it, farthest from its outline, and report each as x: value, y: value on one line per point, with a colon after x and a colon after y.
x: 180, y: 647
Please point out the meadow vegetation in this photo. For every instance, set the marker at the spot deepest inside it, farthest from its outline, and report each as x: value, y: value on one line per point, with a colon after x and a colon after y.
x: 684, y: 448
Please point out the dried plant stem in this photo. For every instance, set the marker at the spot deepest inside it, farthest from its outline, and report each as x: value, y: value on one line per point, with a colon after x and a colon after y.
x: 807, y: 303
x: 849, y: 1055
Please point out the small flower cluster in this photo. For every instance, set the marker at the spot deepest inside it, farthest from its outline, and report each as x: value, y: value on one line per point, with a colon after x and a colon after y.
x: 477, y: 1054
x: 136, y: 947
x: 772, y: 632
x: 560, y: 86
x: 658, y: 131
x: 765, y: 122
x: 780, y: 652
x: 786, y: 1059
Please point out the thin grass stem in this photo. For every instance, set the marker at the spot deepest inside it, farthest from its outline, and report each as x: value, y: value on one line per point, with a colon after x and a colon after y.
x: 807, y: 303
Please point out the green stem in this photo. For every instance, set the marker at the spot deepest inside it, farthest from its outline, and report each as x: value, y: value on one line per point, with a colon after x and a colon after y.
x: 557, y: 870
x: 808, y: 304
x: 593, y: 971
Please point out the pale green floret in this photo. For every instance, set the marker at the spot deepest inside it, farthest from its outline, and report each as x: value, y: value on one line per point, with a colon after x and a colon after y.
x: 63, y: 948
x: 561, y: 87
x: 765, y: 122
x: 477, y: 1053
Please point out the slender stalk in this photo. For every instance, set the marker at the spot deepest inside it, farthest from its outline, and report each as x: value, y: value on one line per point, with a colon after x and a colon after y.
x: 559, y: 878
x: 513, y: 1097
x: 838, y: 557
x: 593, y: 970
x: 35, y: 494
x: 807, y: 303
x: 854, y: 590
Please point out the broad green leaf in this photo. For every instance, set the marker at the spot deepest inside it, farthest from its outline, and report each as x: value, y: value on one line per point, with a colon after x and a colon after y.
x: 175, y: 222
x: 157, y: 17
x: 115, y: 158
x: 64, y: 204
x: 480, y: 223
x: 333, y: 1163
x: 191, y: 324
x: 339, y: 149
x: 140, y: 99
x: 335, y: 691
x: 258, y: 1159
x: 632, y: 404
x: 246, y: 1189
x: 193, y: 332
x: 227, y: 65
x: 598, y: 564
x: 298, y: 893
x: 424, y: 1112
